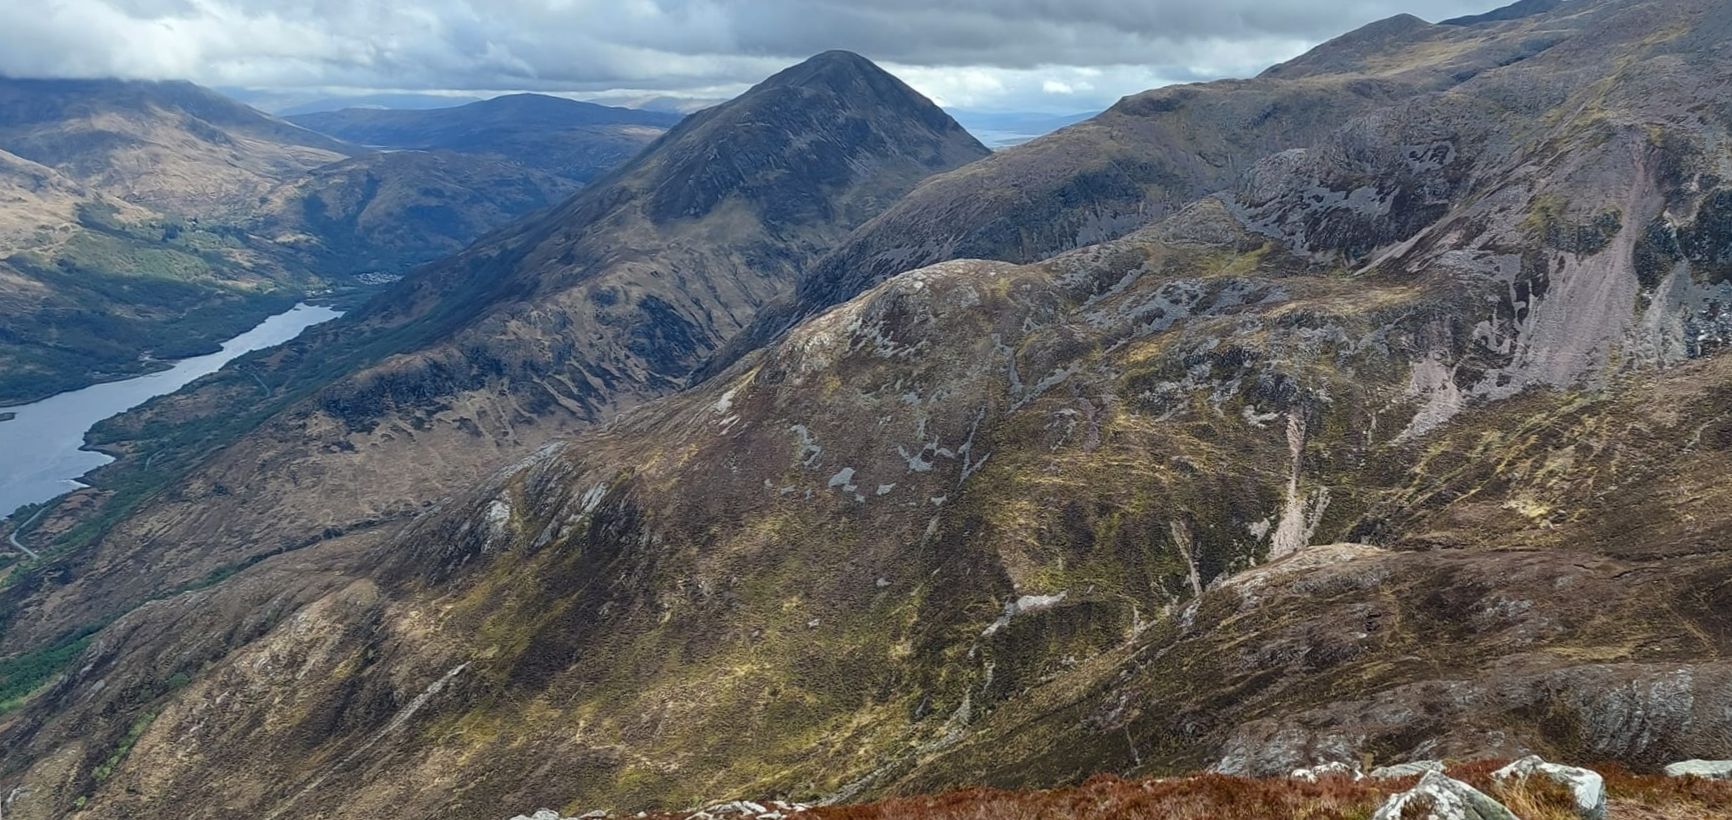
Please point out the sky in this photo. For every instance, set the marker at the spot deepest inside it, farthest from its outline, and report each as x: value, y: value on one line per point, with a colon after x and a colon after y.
x: 998, y: 55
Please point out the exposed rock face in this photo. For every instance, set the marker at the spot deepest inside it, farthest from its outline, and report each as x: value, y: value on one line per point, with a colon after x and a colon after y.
x: 1150, y: 505
x: 1314, y: 773
x: 1439, y: 797
x: 1416, y: 768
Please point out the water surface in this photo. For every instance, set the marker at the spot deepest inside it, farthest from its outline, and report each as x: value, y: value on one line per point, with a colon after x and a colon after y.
x: 39, y: 448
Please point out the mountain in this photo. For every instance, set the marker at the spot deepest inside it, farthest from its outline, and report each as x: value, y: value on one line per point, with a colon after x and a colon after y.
x: 574, y: 140
x: 117, y: 195
x: 147, y: 221
x: 170, y: 146
x: 288, y: 107
x: 1141, y: 159
x: 1407, y: 441
x: 388, y: 212
x: 552, y: 325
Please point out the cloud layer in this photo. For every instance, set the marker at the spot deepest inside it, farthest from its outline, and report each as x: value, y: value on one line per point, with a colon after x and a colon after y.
x: 1030, y: 54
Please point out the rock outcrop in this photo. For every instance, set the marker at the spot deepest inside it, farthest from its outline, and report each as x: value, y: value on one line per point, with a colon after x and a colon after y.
x: 1710, y: 769
x: 1440, y: 797
x: 1585, y: 785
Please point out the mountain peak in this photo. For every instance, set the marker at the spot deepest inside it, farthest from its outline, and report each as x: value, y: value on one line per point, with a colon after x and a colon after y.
x: 835, y: 69
x: 813, y: 126
x: 1351, y: 49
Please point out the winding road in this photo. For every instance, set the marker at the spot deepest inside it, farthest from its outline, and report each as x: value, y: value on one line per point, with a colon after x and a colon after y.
x: 12, y: 537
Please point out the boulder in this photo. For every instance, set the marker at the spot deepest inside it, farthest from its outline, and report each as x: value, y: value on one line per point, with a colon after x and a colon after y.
x: 1586, y: 785
x: 1444, y: 798
x: 1710, y: 769
x: 1322, y: 770
x: 1416, y: 768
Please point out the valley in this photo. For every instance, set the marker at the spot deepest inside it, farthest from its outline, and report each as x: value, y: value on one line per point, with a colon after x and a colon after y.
x: 162, y: 217
x: 44, y: 444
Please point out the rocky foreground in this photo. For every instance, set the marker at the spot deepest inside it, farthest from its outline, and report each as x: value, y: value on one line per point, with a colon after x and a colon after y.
x: 1526, y: 789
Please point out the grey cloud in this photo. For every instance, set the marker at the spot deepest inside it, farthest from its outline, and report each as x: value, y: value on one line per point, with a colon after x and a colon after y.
x: 673, y: 46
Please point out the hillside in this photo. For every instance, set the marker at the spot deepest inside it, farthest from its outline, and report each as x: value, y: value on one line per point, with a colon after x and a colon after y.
x: 551, y: 326
x: 390, y: 211
x: 1143, y: 158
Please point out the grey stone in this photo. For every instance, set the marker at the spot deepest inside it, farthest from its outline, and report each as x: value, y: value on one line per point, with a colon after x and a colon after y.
x: 1415, y: 768
x: 1446, y: 799
x: 1322, y: 770
x: 1586, y: 785
x: 1711, y: 769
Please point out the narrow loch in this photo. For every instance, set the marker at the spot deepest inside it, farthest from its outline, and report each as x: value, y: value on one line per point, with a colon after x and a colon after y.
x: 41, y: 445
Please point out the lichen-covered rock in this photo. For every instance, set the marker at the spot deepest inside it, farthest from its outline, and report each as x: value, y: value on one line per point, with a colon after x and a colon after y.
x: 1441, y: 797
x: 1710, y: 769
x: 1415, y: 768
x: 1587, y: 786
x: 1313, y: 774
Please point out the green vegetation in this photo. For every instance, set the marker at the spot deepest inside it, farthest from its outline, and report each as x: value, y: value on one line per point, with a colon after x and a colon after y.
x: 24, y: 674
x: 133, y: 733
x: 124, y: 295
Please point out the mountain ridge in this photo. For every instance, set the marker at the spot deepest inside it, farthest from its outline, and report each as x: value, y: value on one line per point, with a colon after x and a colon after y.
x: 569, y: 139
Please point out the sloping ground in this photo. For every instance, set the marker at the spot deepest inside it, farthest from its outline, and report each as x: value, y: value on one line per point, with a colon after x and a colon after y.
x: 544, y: 328
x: 161, y: 218
x: 389, y: 212
x: 90, y: 283
x: 173, y: 147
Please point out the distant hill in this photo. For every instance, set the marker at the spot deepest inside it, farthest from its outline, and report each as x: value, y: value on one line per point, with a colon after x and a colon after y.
x: 171, y: 146
x: 567, y: 138
x: 1002, y: 129
x: 399, y: 101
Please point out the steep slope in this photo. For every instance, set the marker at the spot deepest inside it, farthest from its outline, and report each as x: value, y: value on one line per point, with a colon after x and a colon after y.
x: 1148, y: 155
x: 125, y: 250
x: 388, y: 212
x: 90, y: 284
x: 550, y: 326
x: 574, y: 140
x: 171, y: 146
x: 1409, y: 444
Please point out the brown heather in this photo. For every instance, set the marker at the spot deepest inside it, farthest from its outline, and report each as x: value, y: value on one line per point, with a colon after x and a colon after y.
x: 1224, y: 797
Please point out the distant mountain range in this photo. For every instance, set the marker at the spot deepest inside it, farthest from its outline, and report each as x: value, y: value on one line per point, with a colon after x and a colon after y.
x: 566, y: 138
x: 1002, y: 129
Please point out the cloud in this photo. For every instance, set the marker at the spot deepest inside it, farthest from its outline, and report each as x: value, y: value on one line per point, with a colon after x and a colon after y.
x: 986, y: 52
